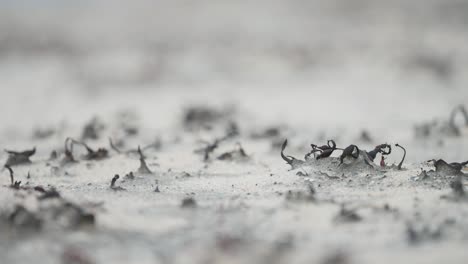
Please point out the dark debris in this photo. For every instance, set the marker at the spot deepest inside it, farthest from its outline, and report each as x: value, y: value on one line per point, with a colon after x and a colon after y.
x: 19, y: 157
x: 113, y: 186
x: 143, y: 166
x: 188, y: 202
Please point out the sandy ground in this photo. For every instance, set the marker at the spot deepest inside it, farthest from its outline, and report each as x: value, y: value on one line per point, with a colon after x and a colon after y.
x: 315, y: 70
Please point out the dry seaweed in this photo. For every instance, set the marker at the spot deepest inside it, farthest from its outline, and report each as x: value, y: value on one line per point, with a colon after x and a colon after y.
x: 458, y: 190
x: 157, y: 186
x: 365, y: 136
x: 24, y: 219
x: 92, y: 129
x: 68, y: 152
x: 72, y: 255
x: 383, y: 149
x: 113, y: 146
x: 324, y: 151
x: 338, y: 257
x: 453, y: 168
x: 53, y: 155
x: 92, y: 154
x: 299, y: 196
x: 352, y: 151
x: 130, y: 176
x: 143, y: 166
x: 424, y: 233
x: 452, y: 125
x: 346, y: 215
x: 445, y: 128
x: 43, y: 133
x: 14, y: 184
x: 237, y: 154
x: 210, y: 148
x: 289, y: 159
x: 48, y: 194
x: 188, y: 202
x: 19, y: 157
x: 404, y: 156
x: 271, y: 132
x: 202, y: 117
x: 60, y: 213
x: 113, y: 186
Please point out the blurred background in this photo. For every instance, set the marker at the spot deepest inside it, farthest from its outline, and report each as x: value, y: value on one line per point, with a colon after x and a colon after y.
x: 380, y: 65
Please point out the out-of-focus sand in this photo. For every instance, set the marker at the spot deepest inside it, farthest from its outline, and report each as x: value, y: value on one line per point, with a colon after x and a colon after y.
x: 322, y: 69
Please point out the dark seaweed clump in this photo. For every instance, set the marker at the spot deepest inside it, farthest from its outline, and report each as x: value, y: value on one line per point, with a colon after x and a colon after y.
x: 188, y: 202
x: 143, y: 166
x: 54, y: 211
x: 19, y: 157
x: 204, y: 118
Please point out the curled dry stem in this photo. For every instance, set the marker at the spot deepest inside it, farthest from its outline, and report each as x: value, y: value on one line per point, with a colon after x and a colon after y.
x: 404, y: 156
